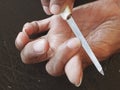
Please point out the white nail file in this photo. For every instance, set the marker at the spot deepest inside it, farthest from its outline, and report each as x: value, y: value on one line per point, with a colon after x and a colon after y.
x: 66, y: 15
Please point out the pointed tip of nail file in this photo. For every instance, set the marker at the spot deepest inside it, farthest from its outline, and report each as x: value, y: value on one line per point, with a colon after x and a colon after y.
x: 102, y: 72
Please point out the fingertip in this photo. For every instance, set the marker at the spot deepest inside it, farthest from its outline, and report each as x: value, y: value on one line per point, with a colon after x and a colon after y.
x: 46, y: 9
x: 55, y: 9
x: 73, y: 70
x: 78, y: 84
x: 49, y: 70
x: 28, y: 28
x: 21, y: 40
x: 18, y: 42
x: 57, y: 6
x: 26, y: 25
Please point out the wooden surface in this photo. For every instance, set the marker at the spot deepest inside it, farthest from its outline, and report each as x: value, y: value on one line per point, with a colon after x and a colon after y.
x: 14, y: 75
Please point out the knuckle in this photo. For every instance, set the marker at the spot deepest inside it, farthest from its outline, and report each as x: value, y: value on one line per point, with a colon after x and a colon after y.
x: 104, y: 50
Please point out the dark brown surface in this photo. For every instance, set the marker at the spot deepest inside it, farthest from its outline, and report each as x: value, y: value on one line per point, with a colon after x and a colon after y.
x: 14, y: 75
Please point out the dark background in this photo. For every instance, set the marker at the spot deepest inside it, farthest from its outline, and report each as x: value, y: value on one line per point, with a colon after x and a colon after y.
x: 14, y: 75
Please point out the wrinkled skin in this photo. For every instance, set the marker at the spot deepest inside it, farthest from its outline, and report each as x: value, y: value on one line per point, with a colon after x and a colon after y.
x: 99, y: 22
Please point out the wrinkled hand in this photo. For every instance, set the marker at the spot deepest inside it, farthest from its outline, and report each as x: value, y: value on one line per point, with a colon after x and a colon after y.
x: 55, y: 6
x: 100, y: 24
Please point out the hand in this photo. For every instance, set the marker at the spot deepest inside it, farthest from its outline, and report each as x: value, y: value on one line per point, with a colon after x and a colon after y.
x: 55, y: 6
x: 98, y: 23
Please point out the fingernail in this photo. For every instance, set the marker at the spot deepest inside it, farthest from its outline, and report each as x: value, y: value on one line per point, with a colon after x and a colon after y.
x: 46, y: 9
x: 39, y: 47
x: 55, y: 9
x: 78, y: 85
x: 73, y: 43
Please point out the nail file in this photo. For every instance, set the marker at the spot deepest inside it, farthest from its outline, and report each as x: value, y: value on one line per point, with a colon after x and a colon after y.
x: 66, y: 15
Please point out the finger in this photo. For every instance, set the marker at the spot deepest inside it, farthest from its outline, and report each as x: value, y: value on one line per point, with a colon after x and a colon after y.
x: 35, y: 51
x: 45, y: 4
x: 21, y: 40
x: 56, y: 6
x: 29, y: 29
x: 36, y: 27
x: 73, y: 70
x: 56, y: 64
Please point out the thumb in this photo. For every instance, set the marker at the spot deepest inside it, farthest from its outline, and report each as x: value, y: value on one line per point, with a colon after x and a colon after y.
x: 57, y: 6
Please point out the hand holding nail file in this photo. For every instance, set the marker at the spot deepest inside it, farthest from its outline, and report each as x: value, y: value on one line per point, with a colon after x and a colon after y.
x: 66, y: 15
